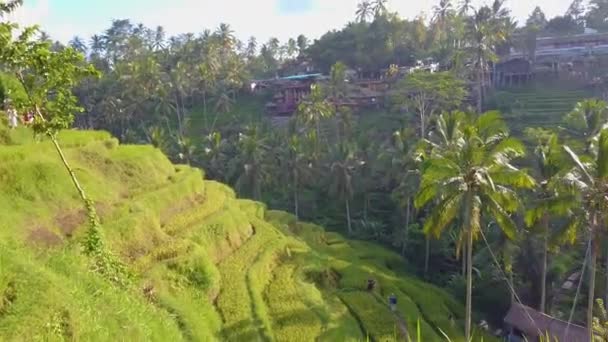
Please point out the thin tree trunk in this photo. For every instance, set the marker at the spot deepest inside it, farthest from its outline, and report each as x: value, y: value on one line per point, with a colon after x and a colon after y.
x: 480, y: 91
x: 543, y: 271
x: 463, y: 258
x: 407, y: 226
x: 469, y: 294
x: 295, y: 194
x: 179, y: 118
x: 469, y: 260
x: 606, y: 293
x: 427, y: 255
x: 350, y: 230
x: 591, y: 295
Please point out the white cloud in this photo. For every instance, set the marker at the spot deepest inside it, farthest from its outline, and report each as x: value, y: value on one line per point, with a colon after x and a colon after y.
x: 259, y: 18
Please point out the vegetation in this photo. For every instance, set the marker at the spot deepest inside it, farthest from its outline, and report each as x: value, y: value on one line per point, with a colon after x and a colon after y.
x: 433, y: 170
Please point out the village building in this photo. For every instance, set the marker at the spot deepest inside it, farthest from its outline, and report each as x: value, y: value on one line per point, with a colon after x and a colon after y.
x: 526, y: 324
x: 580, y: 57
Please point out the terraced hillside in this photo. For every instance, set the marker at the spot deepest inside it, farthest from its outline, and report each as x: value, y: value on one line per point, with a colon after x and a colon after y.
x: 206, y: 266
x: 540, y: 106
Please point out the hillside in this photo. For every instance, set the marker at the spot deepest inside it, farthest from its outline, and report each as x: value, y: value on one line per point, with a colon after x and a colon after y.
x: 206, y: 265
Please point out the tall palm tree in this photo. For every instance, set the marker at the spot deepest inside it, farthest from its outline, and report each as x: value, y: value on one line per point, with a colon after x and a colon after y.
x: 292, y: 47
x: 9, y: 6
x: 313, y: 110
x: 589, y: 181
x: 548, y: 200
x: 441, y: 14
x: 342, y: 169
x: 225, y: 35
x: 465, y: 7
x: 159, y: 38
x: 79, y: 45
x: 475, y: 179
x: 252, y: 173
x: 302, y: 41
x: 379, y: 7
x: 364, y: 11
x: 587, y: 120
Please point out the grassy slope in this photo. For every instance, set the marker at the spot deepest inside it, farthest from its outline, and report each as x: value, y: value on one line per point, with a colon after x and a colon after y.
x: 207, y: 265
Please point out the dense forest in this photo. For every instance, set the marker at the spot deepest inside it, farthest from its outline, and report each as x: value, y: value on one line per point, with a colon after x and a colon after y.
x: 479, y: 198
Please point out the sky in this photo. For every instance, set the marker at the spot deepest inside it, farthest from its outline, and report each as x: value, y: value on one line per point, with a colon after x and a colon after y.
x: 63, y: 19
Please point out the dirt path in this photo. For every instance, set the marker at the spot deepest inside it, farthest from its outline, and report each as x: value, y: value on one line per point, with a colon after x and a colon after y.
x: 401, y: 324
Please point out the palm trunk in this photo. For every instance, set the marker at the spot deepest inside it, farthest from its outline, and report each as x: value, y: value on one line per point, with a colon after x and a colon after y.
x: 463, y: 258
x: 591, y: 295
x: 407, y: 226
x: 179, y: 118
x: 480, y: 91
x: 543, y: 271
x: 350, y: 230
x: 469, y: 261
x: 427, y: 255
x: 295, y: 194
x: 606, y: 293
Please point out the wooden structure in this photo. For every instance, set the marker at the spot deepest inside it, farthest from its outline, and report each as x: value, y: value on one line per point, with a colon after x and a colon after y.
x: 525, y: 323
x: 580, y: 57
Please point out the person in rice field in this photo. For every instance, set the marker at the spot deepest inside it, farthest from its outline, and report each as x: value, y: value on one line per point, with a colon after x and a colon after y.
x: 392, y: 302
x: 11, y: 112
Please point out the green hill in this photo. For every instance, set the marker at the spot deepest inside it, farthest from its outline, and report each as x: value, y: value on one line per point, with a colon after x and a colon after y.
x: 207, y: 266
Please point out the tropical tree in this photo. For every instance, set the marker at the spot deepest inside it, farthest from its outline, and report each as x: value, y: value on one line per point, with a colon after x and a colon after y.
x: 313, y: 110
x: 588, y: 181
x: 465, y: 7
x: 79, y: 45
x: 588, y: 118
x: 364, y: 11
x: 476, y: 180
x: 441, y: 15
x: 342, y: 168
x: 251, y: 168
x: 9, y: 6
x: 379, y: 7
x: 302, y: 42
x: 427, y: 94
x: 548, y: 200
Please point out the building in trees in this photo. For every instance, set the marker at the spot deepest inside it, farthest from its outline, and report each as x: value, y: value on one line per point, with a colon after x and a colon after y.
x: 579, y: 57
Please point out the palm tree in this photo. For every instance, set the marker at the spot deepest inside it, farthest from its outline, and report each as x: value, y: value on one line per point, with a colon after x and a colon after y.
x: 549, y: 159
x: 342, y: 169
x: 159, y: 38
x: 465, y: 7
x: 475, y: 179
x: 484, y: 34
x: 379, y: 7
x: 292, y: 47
x: 79, y: 45
x: 313, y: 111
x: 589, y: 180
x: 225, y: 35
x: 9, y: 6
x: 299, y: 167
x: 441, y: 14
x: 251, y: 174
x: 97, y: 44
x: 586, y: 121
x: 302, y: 44
x: 252, y: 46
x: 364, y: 11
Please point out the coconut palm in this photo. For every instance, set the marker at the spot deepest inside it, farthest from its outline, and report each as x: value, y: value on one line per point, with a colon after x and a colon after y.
x: 342, y: 169
x: 548, y: 200
x: 292, y: 47
x: 79, y: 45
x: 364, y: 11
x: 465, y: 7
x: 474, y: 180
x: 313, y: 111
x: 225, y: 35
x: 10, y: 6
x: 251, y: 171
x: 441, y: 14
x: 302, y: 43
x: 379, y: 7
x: 588, y: 118
x: 589, y: 182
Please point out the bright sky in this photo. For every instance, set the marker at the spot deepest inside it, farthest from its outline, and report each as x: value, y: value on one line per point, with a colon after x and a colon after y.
x: 63, y: 19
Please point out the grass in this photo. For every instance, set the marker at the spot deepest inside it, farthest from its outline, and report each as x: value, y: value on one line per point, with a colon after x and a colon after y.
x: 207, y: 266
